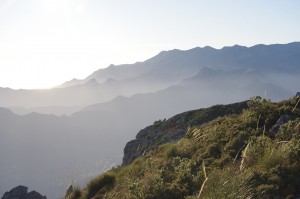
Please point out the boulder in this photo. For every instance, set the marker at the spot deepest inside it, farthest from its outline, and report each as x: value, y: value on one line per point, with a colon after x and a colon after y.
x: 20, y: 192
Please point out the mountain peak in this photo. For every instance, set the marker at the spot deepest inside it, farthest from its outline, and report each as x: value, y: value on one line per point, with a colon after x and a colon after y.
x: 93, y: 82
x: 70, y: 83
x: 236, y: 46
x: 208, y: 48
x: 110, y: 80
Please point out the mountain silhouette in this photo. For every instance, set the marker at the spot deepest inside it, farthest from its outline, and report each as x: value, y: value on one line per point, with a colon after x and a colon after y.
x: 168, y: 68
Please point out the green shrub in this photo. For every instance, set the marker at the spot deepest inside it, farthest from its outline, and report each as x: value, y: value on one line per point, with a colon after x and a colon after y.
x: 172, y: 151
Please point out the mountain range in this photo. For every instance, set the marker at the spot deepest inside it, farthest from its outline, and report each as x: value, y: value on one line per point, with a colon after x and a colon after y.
x: 51, y: 137
x: 270, y: 64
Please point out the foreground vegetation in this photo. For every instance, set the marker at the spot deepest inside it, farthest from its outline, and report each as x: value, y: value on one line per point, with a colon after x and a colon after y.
x: 255, y: 154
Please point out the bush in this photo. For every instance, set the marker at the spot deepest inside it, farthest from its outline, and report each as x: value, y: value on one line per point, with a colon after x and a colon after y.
x: 172, y: 151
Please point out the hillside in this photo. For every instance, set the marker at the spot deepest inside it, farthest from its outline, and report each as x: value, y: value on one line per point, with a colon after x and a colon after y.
x: 244, y: 150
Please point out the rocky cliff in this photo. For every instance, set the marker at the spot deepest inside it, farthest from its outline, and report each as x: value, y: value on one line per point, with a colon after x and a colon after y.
x: 173, y: 129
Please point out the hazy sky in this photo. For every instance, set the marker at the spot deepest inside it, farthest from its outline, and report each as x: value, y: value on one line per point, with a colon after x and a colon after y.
x: 46, y: 42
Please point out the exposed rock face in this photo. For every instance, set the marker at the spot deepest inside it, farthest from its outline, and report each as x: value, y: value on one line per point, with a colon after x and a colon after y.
x: 149, y: 138
x: 173, y: 129
x: 282, y: 120
x: 20, y: 192
x: 298, y: 94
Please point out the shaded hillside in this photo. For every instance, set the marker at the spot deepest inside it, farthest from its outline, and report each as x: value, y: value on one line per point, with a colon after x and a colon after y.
x: 250, y: 154
x: 33, y: 151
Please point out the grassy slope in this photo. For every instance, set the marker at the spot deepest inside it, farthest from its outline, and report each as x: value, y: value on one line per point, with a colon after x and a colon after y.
x: 241, y: 155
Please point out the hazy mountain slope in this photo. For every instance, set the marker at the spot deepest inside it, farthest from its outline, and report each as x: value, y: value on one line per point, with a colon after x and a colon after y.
x: 168, y: 68
x: 176, y: 65
x: 72, y: 82
x: 239, y: 82
x: 276, y: 57
x: 120, y: 72
x: 46, y: 152
x: 56, y: 110
x: 71, y: 96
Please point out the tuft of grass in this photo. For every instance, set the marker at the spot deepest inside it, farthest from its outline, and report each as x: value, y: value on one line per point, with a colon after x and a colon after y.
x: 244, y: 156
x: 229, y: 183
x: 74, y: 192
x: 100, y: 184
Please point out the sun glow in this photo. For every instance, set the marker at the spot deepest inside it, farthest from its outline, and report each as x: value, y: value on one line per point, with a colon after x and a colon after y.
x: 47, y: 42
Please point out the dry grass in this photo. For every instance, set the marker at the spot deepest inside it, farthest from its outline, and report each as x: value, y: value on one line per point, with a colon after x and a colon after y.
x: 244, y: 156
x: 295, y: 106
x: 206, y: 178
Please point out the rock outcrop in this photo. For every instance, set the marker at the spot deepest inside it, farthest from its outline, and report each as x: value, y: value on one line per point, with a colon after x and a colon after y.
x: 282, y: 120
x: 21, y: 192
x: 173, y: 129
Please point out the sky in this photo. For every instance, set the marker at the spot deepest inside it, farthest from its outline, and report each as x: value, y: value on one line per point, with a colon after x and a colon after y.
x: 44, y: 43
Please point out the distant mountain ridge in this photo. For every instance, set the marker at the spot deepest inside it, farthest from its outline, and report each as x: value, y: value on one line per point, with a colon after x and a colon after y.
x: 168, y: 68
